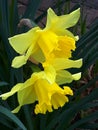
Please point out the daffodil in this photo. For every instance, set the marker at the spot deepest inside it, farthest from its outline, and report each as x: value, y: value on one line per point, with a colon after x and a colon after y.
x: 54, y: 41
x: 40, y: 87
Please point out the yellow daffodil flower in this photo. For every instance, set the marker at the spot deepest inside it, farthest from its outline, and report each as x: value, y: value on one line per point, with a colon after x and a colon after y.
x: 53, y: 41
x: 40, y: 87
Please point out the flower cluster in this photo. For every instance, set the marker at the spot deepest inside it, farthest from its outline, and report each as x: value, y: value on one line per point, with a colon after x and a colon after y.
x: 52, y: 47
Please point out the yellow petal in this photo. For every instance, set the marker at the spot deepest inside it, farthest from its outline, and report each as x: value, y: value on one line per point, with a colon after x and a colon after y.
x: 66, y: 45
x: 38, y: 56
x: 50, y: 74
x: 42, y: 89
x: 63, y: 63
x: 61, y: 32
x: 55, y: 22
x: 16, y: 110
x: 68, y: 90
x: 43, y: 108
x: 63, y: 77
x: 27, y: 96
x: 76, y: 76
x: 18, y: 61
x: 52, y: 18
x: 15, y: 89
x: 20, y: 86
x: 58, y: 100
x: 21, y: 42
x: 47, y: 41
x: 56, y: 89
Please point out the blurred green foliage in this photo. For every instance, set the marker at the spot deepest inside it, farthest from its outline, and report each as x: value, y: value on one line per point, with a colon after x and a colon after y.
x: 82, y: 110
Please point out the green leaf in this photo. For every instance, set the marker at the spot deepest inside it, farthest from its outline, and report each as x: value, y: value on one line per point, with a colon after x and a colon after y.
x: 12, y: 117
x: 28, y: 117
x: 84, y: 87
x: 84, y: 120
x: 91, y: 126
x: 32, y: 8
x: 66, y: 115
x: 3, y: 83
x: 13, y: 17
x: 5, y: 122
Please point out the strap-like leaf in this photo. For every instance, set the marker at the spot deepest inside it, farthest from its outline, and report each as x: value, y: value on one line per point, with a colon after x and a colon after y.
x: 12, y: 117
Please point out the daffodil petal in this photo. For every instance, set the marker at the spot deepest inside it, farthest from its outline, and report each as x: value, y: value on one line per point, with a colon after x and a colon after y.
x: 68, y: 91
x: 50, y: 74
x: 63, y: 77
x: 58, y: 100
x: 38, y: 56
x: 42, y: 108
x: 21, y: 42
x: 18, y: 61
x: 76, y: 76
x: 42, y: 91
x: 20, y: 86
x: 63, y: 63
x: 51, y: 18
x: 55, y: 22
x: 16, y: 110
x: 15, y: 89
x: 64, y: 32
x: 66, y: 45
x: 47, y: 42
x: 26, y: 96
